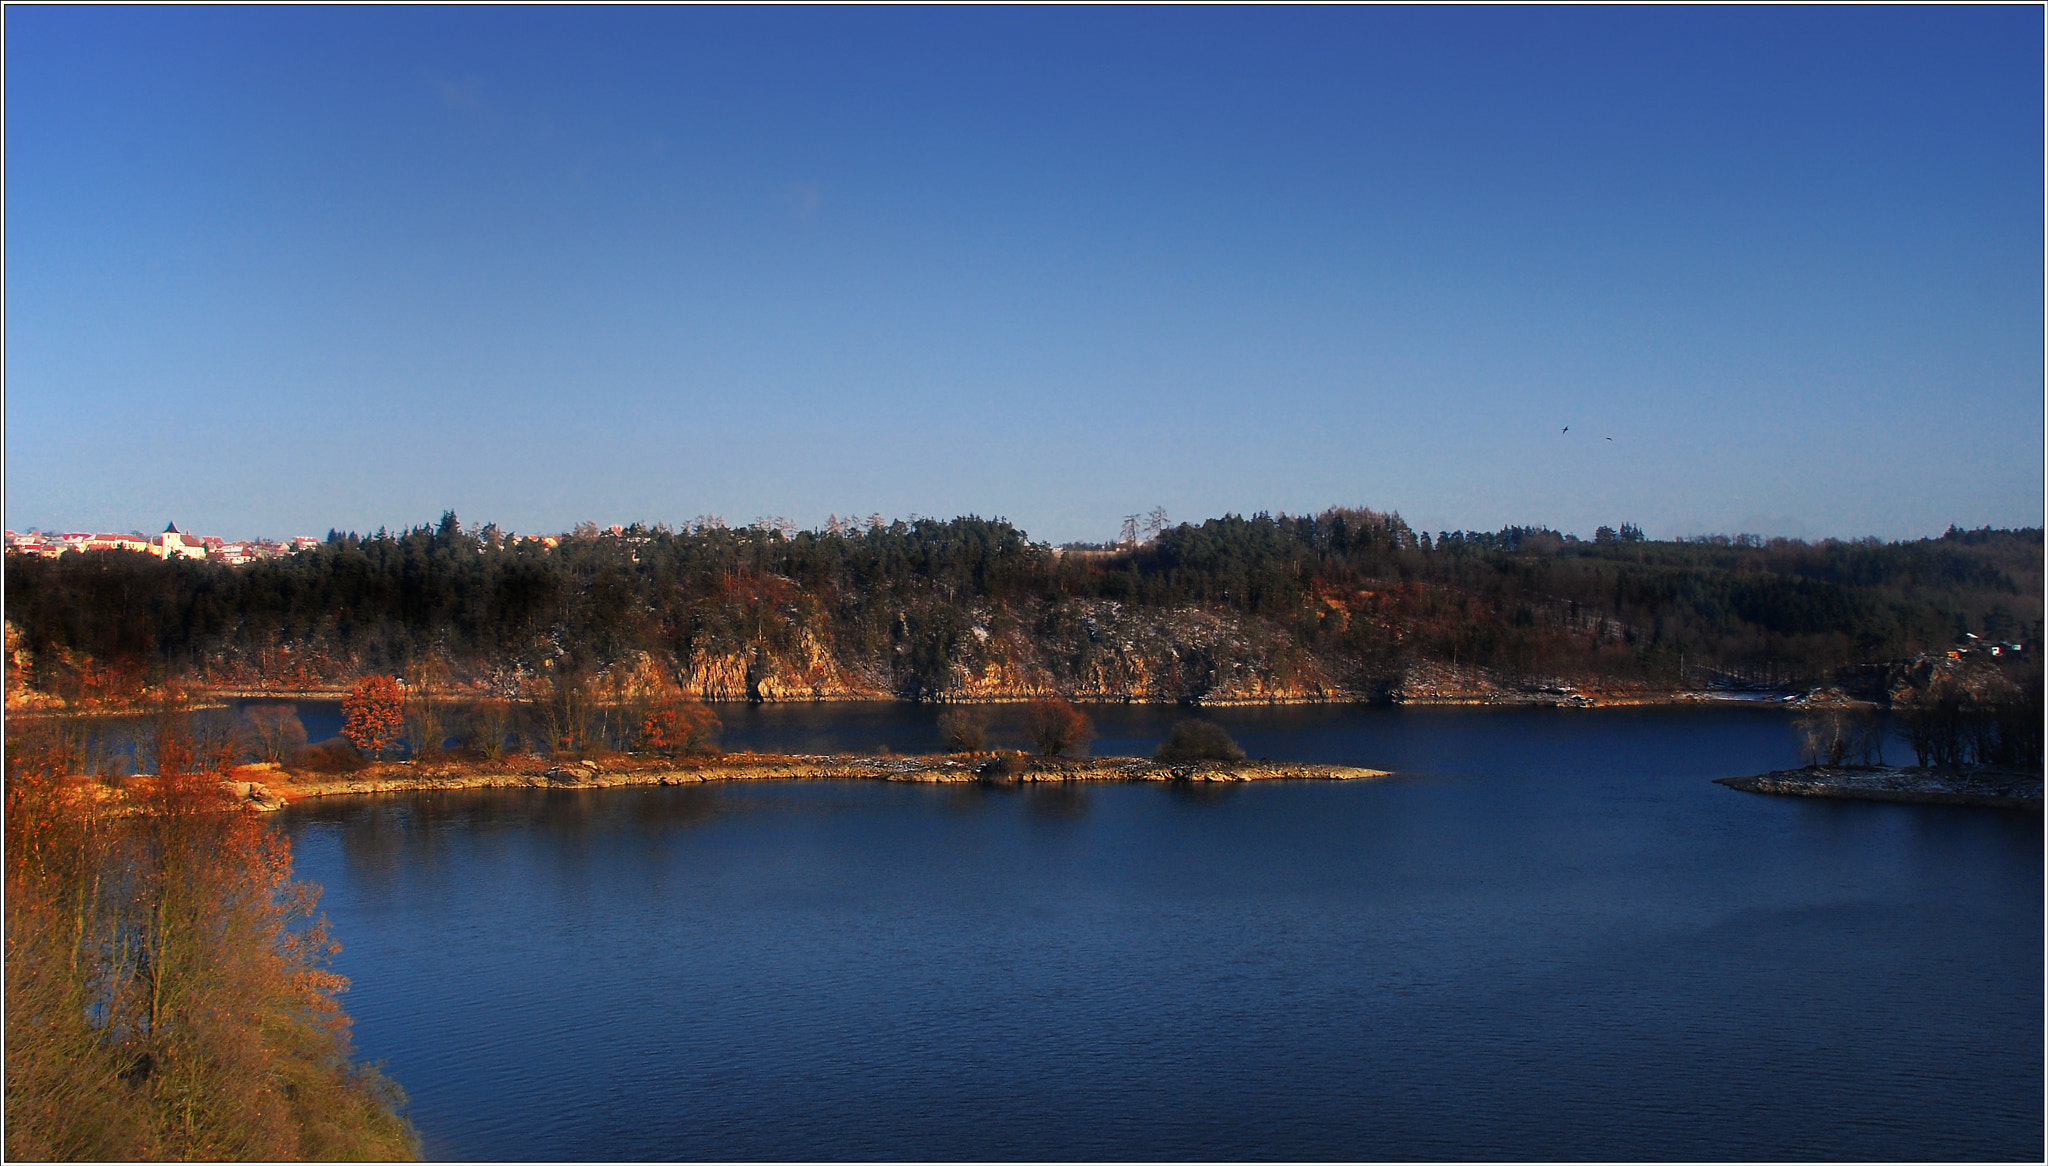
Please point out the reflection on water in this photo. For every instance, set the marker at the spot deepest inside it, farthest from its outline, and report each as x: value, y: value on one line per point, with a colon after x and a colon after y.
x: 1382, y: 736
x: 1057, y: 802
x: 1550, y: 937
x: 382, y: 838
x: 1202, y: 792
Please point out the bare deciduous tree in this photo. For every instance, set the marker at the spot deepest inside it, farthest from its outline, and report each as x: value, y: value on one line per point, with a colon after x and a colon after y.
x: 425, y: 730
x: 963, y: 730
x: 490, y: 726
x: 1833, y: 736
x: 275, y: 731
x: 1056, y: 727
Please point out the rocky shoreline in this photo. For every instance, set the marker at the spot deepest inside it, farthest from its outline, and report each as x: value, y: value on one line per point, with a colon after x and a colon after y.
x: 1545, y: 695
x: 2002, y: 789
x: 283, y: 788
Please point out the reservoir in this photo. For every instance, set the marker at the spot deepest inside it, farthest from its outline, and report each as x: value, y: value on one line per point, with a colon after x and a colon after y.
x: 1549, y: 936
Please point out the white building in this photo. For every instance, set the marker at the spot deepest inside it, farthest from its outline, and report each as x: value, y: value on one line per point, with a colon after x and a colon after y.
x: 173, y: 543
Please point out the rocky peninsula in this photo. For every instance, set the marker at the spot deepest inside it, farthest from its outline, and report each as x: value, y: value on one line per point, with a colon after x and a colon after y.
x: 2003, y: 789
x: 271, y: 788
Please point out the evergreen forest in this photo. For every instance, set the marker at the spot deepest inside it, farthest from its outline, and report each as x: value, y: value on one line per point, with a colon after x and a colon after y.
x: 1353, y: 598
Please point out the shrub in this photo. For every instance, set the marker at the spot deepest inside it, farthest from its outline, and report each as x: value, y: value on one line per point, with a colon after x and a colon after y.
x: 333, y: 755
x: 1056, y: 727
x: 1197, y: 740
x: 1001, y: 767
x: 963, y: 730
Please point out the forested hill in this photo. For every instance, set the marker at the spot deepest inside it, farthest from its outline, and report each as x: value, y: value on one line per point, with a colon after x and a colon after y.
x: 1347, y: 604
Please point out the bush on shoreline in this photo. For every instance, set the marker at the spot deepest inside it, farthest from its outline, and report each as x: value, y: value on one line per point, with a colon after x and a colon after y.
x: 1002, y: 767
x: 1197, y: 740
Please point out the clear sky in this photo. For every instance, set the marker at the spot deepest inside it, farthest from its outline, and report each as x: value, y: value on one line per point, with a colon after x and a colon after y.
x: 270, y: 271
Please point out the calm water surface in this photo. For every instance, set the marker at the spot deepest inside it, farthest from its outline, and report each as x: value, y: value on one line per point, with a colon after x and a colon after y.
x: 1550, y: 937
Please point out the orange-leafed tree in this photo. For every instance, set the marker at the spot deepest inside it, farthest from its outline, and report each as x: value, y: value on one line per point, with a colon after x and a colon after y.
x: 167, y: 989
x: 372, y: 714
x: 677, y: 726
x: 1056, y: 726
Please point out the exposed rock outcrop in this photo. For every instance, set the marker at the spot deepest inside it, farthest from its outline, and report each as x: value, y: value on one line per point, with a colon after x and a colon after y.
x: 255, y: 795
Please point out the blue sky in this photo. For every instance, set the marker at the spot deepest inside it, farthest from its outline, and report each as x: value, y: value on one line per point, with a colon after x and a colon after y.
x: 271, y: 271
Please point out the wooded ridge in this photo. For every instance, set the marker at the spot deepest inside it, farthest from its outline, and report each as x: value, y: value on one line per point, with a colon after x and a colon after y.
x: 1348, y: 604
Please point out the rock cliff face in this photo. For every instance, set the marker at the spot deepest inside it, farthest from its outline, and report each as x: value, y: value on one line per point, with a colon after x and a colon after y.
x: 760, y: 672
x: 1083, y: 649
x: 726, y: 676
x: 1092, y: 651
x: 1436, y: 683
x: 1089, y: 650
x: 1966, y: 675
x: 1099, y: 650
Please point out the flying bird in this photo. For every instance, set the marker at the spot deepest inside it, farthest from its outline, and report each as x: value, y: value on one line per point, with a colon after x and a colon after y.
x: 1610, y: 439
x: 1566, y: 429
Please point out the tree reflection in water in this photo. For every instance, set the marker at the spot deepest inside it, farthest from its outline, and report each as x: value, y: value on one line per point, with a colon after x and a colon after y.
x: 1202, y: 792
x: 1057, y: 801
x: 381, y: 836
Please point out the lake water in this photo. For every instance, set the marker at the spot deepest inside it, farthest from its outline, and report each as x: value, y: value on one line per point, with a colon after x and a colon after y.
x: 1549, y: 937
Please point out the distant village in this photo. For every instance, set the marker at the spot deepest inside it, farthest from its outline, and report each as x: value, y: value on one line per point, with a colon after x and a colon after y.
x: 172, y: 543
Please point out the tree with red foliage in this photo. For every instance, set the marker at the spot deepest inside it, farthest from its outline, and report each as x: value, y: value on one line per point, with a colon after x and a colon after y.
x: 679, y: 726
x: 373, y: 713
